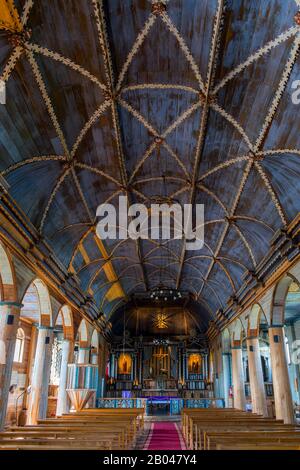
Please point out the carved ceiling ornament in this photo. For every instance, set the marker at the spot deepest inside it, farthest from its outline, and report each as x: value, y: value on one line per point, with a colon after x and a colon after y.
x: 159, y: 7
x: 160, y: 320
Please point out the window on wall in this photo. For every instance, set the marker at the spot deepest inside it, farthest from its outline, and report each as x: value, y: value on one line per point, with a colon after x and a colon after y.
x: 19, y: 349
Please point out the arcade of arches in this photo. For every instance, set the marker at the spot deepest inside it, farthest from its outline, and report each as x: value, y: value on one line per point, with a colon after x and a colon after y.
x: 252, y: 363
x: 162, y: 102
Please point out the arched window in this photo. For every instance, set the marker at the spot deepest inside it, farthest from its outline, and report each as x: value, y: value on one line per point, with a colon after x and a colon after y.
x: 19, y: 349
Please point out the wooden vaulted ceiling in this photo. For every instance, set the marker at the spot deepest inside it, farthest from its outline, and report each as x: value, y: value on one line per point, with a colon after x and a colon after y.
x: 181, y: 99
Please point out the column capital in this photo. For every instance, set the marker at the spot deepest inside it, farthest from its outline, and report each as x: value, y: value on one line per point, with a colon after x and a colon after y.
x: 275, y: 326
x: 44, y: 327
x: 10, y: 304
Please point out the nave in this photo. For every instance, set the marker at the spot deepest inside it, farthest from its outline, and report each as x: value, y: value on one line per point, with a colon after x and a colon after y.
x: 149, y: 224
x: 198, y: 429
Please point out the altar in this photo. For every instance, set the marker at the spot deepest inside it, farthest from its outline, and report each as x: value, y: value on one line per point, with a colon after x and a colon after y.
x: 168, y: 369
x: 160, y: 405
x: 163, y: 405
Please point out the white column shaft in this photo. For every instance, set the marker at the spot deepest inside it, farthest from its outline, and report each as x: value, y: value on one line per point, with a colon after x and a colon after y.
x: 257, y: 386
x: 62, y: 396
x: 282, y: 390
x: 38, y: 399
x: 9, y: 320
x: 238, y: 379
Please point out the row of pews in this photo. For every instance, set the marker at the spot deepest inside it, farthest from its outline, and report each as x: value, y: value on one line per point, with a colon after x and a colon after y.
x: 231, y: 429
x: 89, y: 429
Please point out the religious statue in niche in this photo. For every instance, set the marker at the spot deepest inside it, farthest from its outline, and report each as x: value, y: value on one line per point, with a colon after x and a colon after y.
x: 194, y: 364
x: 124, y: 364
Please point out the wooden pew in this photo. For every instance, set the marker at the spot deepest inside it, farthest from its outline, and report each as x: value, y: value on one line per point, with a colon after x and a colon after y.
x: 231, y: 429
x: 252, y: 438
x: 282, y: 446
x: 189, y: 413
x: 197, y: 438
x: 129, y: 423
x: 137, y: 414
x: 101, y: 443
x: 122, y: 431
x: 240, y: 428
x: 95, y: 429
x: 108, y: 437
x: 195, y: 421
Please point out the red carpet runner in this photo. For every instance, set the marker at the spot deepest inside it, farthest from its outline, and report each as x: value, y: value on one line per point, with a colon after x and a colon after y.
x: 164, y: 436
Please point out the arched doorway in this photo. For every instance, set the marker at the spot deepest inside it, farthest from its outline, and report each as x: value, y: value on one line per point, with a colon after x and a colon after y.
x: 227, y: 367
x: 83, y: 343
x: 258, y: 375
x: 238, y: 358
x: 283, y: 334
x: 62, y: 355
x: 95, y: 347
x: 37, y: 311
x: 292, y: 340
x: 9, y: 320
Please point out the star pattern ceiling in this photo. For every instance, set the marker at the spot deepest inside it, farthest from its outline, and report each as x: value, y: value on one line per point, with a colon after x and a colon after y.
x: 188, y: 100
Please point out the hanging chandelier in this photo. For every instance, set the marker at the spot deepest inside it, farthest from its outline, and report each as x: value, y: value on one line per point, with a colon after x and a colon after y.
x: 160, y: 342
x: 165, y: 295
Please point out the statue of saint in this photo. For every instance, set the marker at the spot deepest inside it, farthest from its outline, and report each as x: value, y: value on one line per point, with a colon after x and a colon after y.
x: 124, y: 366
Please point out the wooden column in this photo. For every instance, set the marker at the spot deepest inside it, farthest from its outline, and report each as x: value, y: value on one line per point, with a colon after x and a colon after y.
x: 116, y: 365
x: 102, y: 369
x: 238, y: 380
x: 112, y: 365
x: 135, y: 368
x: 282, y: 390
x: 62, y: 396
x: 105, y: 363
x: 185, y: 367
x: 38, y: 399
x: 203, y: 368
x: 9, y: 320
x: 226, y: 377
x: 140, y: 356
x: 179, y: 352
x: 257, y: 386
x: 205, y: 357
